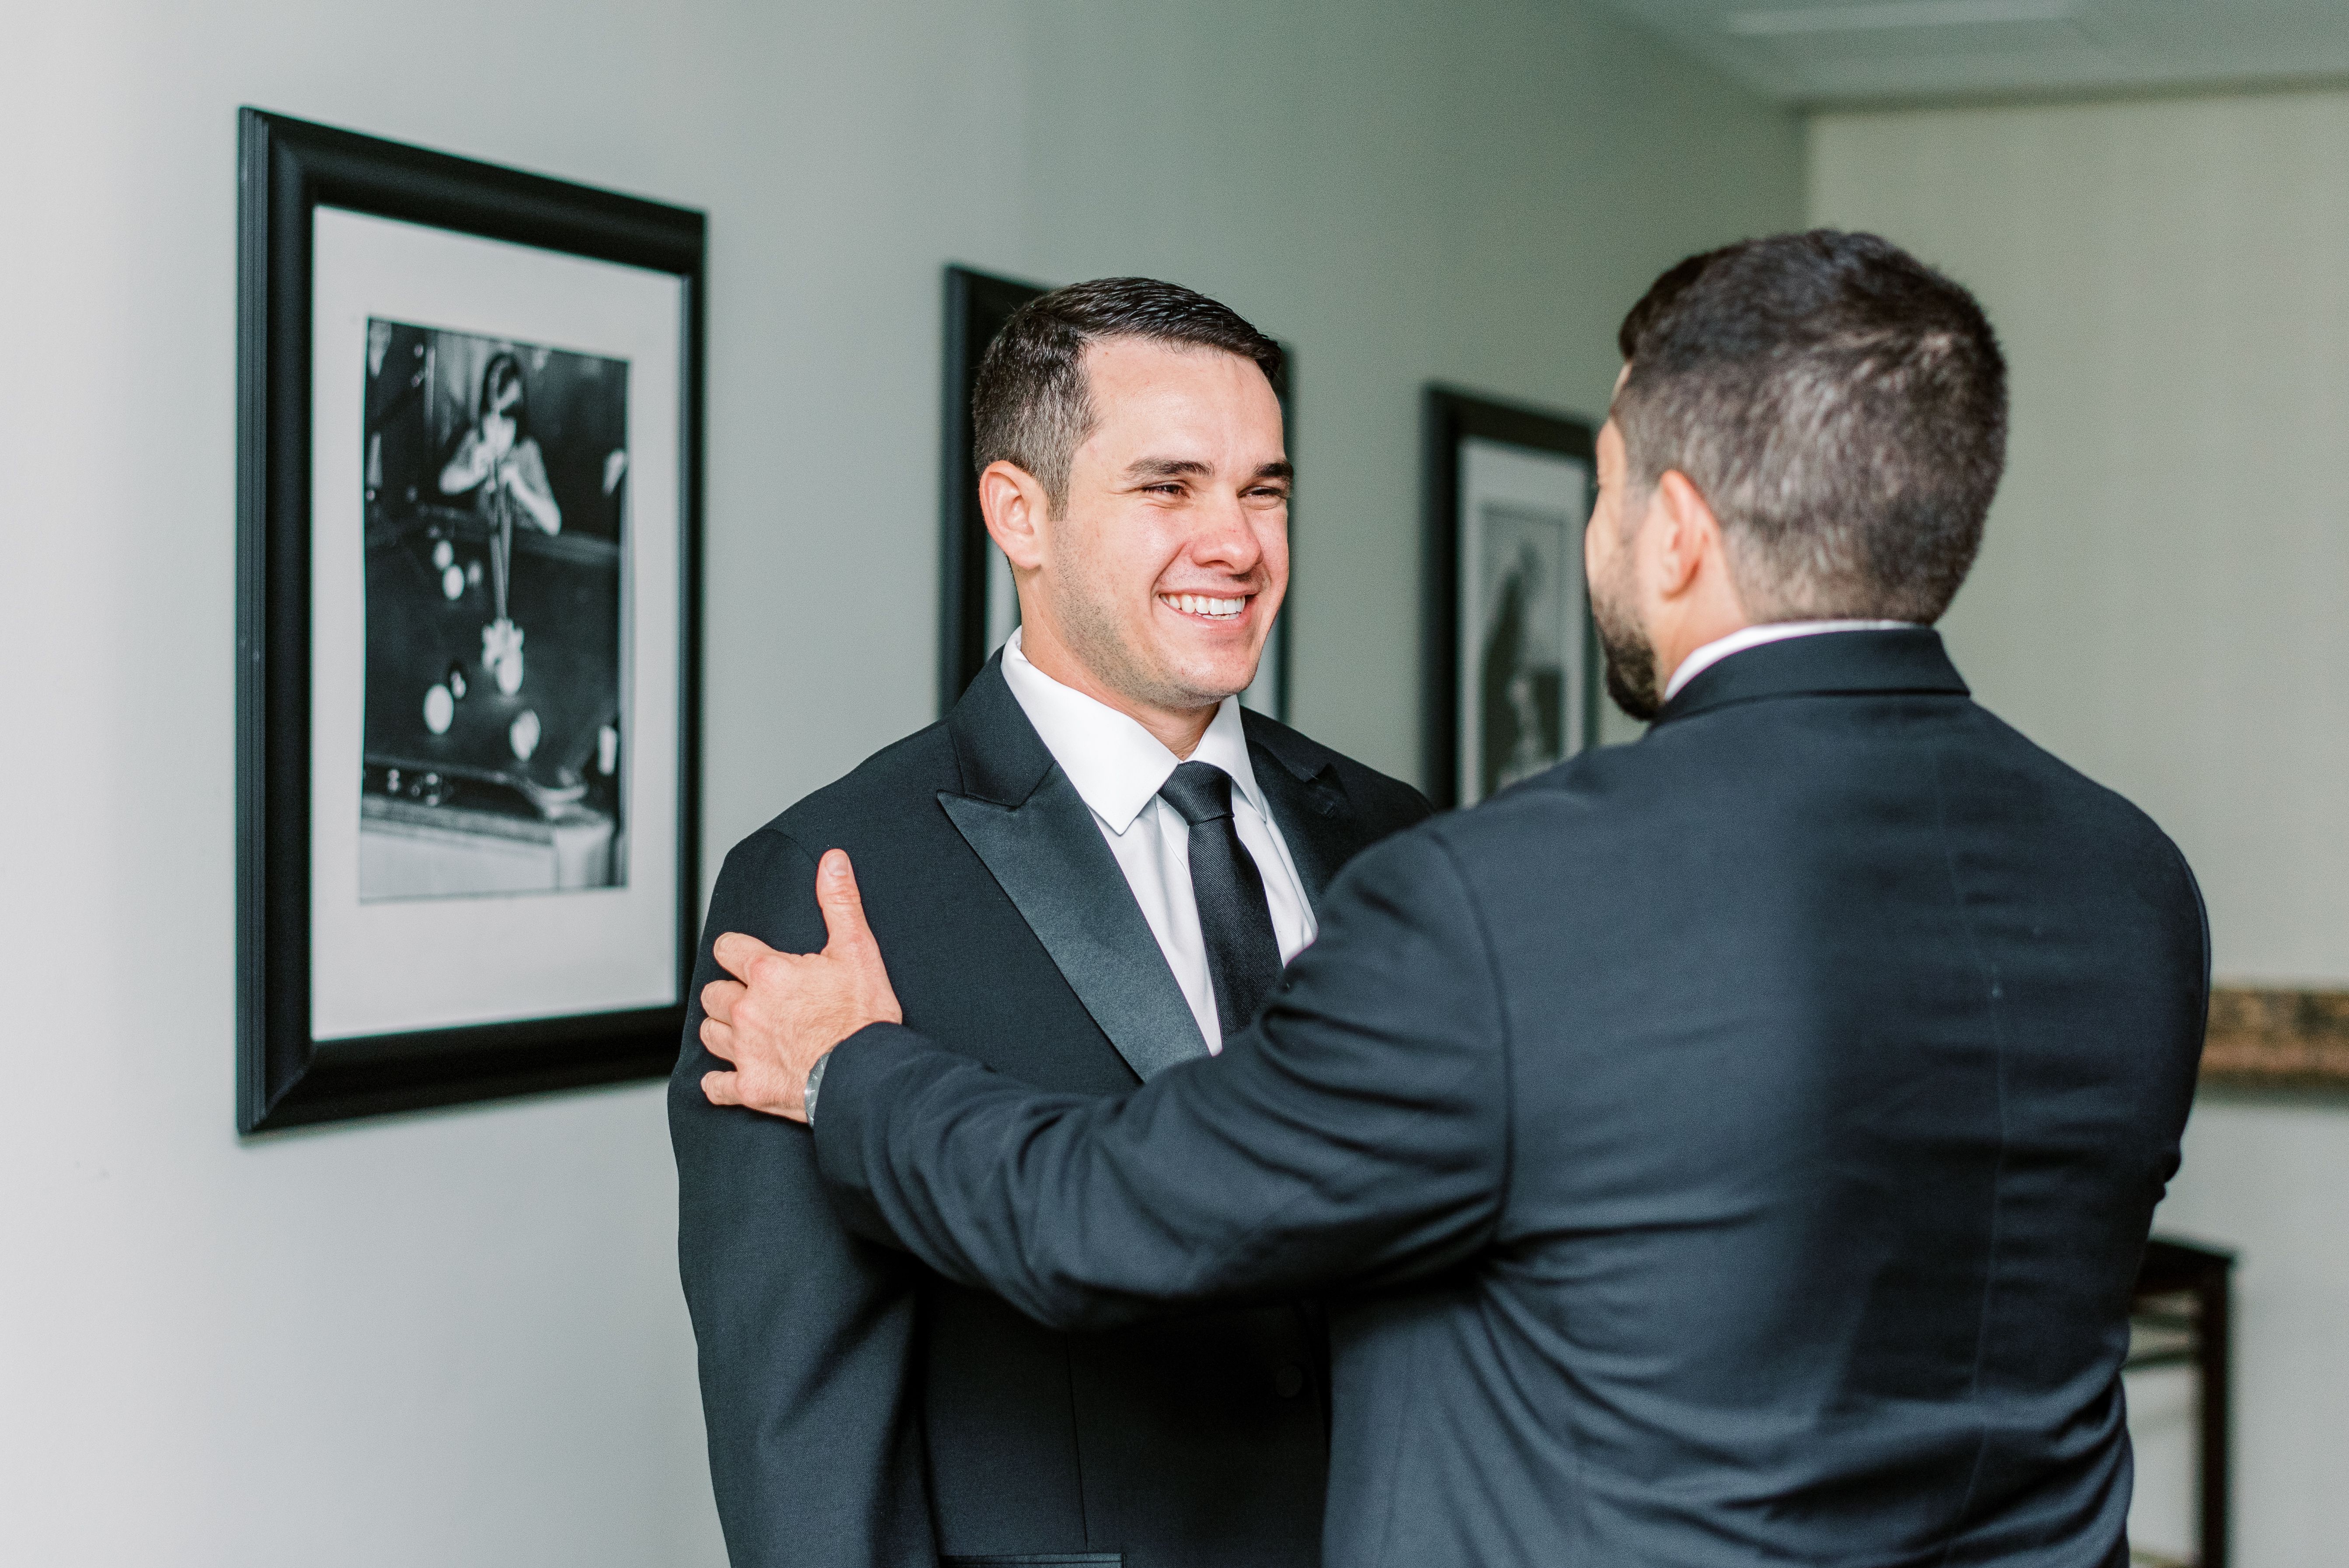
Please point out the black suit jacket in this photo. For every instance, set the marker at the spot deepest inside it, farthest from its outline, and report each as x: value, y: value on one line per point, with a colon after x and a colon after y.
x: 1739, y: 1145
x: 863, y: 1411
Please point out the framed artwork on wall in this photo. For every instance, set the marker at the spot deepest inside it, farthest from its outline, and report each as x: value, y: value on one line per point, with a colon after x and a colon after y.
x: 976, y: 607
x: 469, y: 476
x: 978, y: 604
x: 1509, y: 656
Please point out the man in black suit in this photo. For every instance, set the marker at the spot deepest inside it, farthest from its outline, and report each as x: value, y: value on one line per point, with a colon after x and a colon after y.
x: 1029, y: 862
x: 1733, y: 1148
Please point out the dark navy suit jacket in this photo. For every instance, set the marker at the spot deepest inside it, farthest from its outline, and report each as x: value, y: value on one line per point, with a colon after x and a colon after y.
x: 864, y: 1412
x: 1733, y: 1148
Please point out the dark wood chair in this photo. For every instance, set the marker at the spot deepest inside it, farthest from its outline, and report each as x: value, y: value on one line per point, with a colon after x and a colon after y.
x: 2179, y: 1317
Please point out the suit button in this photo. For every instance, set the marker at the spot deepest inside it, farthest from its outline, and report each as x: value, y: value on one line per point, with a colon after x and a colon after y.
x: 1289, y: 1382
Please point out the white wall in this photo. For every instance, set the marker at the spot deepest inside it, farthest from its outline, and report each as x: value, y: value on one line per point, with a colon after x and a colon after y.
x: 456, y: 1338
x: 2159, y: 601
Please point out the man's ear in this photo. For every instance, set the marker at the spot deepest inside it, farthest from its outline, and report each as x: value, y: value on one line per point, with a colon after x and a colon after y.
x: 1690, y: 532
x: 1013, y: 503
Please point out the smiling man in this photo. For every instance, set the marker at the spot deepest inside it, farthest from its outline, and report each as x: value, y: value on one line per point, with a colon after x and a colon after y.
x: 1093, y: 869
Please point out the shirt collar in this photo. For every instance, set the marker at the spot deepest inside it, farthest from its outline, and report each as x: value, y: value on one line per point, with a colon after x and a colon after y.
x: 1745, y: 637
x: 1118, y: 767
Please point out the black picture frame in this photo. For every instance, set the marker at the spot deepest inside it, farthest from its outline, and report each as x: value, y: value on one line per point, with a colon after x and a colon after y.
x: 978, y: 304
x: 1452, y: 416
x: 287, y: 171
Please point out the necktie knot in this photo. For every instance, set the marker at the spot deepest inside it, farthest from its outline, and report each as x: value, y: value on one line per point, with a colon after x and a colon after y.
x: 1200, y: 791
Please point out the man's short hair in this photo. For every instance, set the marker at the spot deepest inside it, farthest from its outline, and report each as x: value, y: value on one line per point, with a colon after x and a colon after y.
x: 1841, y: 405
x: 1032, y: 404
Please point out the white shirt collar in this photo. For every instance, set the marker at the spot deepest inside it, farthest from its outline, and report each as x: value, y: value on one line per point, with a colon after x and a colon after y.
x: 1117, y: 765
x: 1745, y: 637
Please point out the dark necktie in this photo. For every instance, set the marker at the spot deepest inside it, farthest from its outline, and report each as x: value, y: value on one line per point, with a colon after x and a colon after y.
x: 1242, y: 955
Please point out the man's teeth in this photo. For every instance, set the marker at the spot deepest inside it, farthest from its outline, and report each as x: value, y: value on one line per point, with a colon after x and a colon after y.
x: 1200, y: 605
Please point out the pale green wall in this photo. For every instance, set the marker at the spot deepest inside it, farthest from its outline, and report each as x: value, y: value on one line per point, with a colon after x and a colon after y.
x: 457, y: 1339
x: 2160, y: 601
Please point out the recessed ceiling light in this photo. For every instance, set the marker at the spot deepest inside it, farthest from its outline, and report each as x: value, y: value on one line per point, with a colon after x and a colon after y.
x: 1898, y: 14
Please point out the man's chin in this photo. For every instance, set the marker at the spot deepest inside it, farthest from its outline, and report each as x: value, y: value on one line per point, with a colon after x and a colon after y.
x: 1637, y: 698
x: 1203, y: 683
x: 1208, y: 664
x: 1630, y: 667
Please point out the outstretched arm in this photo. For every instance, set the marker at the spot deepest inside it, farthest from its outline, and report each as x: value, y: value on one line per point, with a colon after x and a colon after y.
x: 1356, y: 1135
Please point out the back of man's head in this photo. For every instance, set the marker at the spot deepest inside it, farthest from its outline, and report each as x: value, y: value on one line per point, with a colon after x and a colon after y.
x: 1841, y: 406
x: 1032, y: 404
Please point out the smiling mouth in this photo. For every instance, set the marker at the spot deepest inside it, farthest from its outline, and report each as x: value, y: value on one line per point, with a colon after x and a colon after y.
x: 1204, y: 606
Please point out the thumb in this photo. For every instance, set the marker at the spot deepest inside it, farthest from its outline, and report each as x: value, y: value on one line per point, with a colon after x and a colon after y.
x: 843, y: 905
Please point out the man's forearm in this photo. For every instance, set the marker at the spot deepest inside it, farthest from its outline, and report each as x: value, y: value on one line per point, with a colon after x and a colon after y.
x: 1357, y: 1131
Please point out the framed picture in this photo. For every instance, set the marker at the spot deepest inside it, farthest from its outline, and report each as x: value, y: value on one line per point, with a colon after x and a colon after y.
x: 469, y: 472
x: 1509, y: 656
x: 977, y: 603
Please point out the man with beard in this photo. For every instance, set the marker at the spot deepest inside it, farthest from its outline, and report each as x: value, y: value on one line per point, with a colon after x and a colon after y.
x: 1734, y: 1148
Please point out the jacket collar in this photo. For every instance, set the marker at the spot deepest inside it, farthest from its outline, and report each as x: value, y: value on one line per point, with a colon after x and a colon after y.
x: 1306, y: 760
x: 1002, y: 760
x: 998, y: 752
x: 1300, y: 783
x: 1908, y: 660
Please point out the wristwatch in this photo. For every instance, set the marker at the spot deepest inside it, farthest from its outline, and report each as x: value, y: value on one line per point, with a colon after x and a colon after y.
x: 815, y: 1082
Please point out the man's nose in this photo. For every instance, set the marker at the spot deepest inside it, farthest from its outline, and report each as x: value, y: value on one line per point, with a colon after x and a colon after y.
x: 1226, y: 537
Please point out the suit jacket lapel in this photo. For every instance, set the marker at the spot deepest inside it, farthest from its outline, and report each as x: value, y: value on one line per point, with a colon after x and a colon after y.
x: 1299, y: 780
x: 1025, y: 820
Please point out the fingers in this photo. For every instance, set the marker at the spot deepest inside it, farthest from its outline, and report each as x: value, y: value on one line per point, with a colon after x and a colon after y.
x: 727, y: 1088
x: 719, y: 998
x: 718, y: 1039
x: 736, y: 953
x: 843, y: 905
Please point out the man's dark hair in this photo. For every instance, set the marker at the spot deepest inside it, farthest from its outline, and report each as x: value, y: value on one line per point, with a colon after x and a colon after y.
x: 1032, y: 404
x: 1841, y: 405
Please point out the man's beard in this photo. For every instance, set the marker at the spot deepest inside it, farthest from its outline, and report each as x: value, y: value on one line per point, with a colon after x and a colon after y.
x: 1630, y: 660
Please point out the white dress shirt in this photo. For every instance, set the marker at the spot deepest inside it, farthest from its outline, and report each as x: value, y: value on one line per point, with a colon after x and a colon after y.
x: 1745, y: 637
x: 1118, y: 767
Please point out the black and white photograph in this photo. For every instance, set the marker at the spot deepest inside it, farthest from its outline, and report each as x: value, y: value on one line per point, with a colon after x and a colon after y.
x: 1517, y: 642
x: 469, y: 521
x: 495, y: 499
x: 1509, y: 645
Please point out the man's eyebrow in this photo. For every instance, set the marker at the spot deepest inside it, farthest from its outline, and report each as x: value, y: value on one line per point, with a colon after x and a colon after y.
x: 1192, y: 468
x: 1166, y: 468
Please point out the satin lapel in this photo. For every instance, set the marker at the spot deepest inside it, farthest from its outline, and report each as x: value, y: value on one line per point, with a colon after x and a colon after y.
x: 1048, y: 856
x: 1316, y: 820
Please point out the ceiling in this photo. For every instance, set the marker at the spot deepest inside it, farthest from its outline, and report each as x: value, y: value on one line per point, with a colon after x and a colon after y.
x: 1822, y: 51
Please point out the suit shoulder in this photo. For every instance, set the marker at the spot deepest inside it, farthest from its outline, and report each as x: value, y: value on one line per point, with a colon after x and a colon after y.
x: 1384, y: 801
x: 904, y: 776
x: 2100, y: 809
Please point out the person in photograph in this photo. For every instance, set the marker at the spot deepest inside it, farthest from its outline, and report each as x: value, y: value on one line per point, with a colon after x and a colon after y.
x: 1092, y: 869
x: 1733, y: 1148
x: 1519, y: 682
x: 499, y: 464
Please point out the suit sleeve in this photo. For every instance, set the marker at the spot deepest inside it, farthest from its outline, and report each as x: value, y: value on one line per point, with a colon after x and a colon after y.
x: 804, y: 1332
x: 1357, y: 1135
